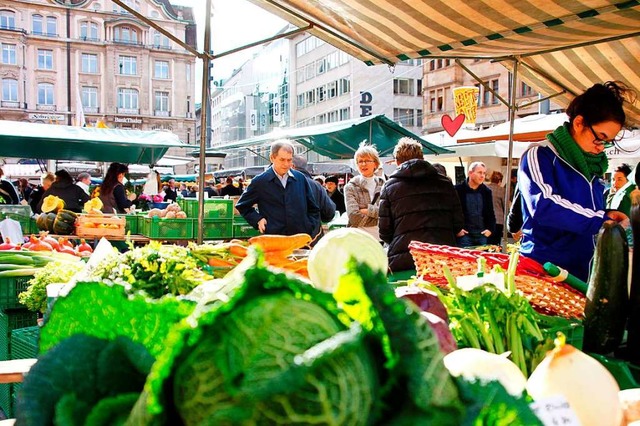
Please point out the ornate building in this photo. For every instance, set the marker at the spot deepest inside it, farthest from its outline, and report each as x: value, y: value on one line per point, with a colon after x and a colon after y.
x: 58, y: 54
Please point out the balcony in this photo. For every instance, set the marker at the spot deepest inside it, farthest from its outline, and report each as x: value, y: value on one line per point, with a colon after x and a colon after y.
x: 13, y: 28
x: 128, y: 42
x: 13, y: 104
x: 45, y: 107
x: 159, y: 113
x: 91, y: 110
x: 160, y: 47
x: 189, y: 115
x: 44, y: 34
x: 87, y: 38
x: 130, y: 111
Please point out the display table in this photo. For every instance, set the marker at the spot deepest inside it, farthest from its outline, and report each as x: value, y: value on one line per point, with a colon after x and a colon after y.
x: 132, y: 237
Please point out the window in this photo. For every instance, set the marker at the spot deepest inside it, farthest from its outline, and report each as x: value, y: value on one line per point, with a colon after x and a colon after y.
x: 345, y: 114
x: 89, y: 63
x: 161, y: 69
x: 525, y: 89
x: 90, y: 98
x: 321, y: 93
x: 432, y: 65
x: 162, y: 102
x: 403, y: 116
x: 45, y: 59
x: 321, y: 66
x: 188, y: 72
x: 128, y: 65
x: 127, y: 98
x: 36, y: 27
x: 52, y: 26
x: 419, y: 118
x: 344, y: 86
x: 309, y: 71
x: 299, y: 75
x: 479, y: 86
x: 161, y: 40
x: 300, y: 101
x: 126, y: 35
x: 7, y: 20
x: 45, y: 94
x: 333, y: 116
x: 89, y: 31
x: 310, y: 97
x: 486, y: 95
x: 432, y: 101
x: 419, y: 91
x: 440, y: 100
x: 9, y: 90
x: 9, y: 54
x: 332, y: 89
x: 495, y: 85
x: 403, y: 86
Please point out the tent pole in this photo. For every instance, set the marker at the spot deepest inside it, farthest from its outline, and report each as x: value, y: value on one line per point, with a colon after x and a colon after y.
x: 512, y: 116
x: 206, y: 60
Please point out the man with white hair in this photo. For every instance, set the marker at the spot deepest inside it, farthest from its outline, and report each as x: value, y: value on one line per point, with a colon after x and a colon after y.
x: 84, y: 181
x: 477, y: 207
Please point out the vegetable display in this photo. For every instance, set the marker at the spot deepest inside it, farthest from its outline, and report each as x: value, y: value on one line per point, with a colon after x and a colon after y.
x: 263, y: 347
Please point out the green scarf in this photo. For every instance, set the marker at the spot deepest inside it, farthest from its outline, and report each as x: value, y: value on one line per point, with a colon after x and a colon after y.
x: 587, y: 164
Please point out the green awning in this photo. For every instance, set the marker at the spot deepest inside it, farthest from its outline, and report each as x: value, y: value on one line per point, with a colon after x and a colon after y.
x: 52, y: 142
x: 563, y: 46
x: 341, y: 139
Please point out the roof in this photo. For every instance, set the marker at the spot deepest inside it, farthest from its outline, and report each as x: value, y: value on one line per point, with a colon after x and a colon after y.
x: 52, y: 142
x: 341, y: 139
x: 561, y: 46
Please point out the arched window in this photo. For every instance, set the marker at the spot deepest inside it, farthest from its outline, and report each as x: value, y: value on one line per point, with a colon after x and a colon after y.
x: 161, y: 40
x: 9, y: 90
x: 7, y: 20
x: 52, y: 26
x: 45, y: 94
x: 89, y: 31
x: 36, y: 25
x: 126, y: 35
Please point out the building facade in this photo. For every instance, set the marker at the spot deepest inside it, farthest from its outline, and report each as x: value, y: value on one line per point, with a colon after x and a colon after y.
x: 61, y: 57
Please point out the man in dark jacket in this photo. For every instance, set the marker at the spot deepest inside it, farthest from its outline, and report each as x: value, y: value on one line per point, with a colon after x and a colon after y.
x: 285, y: 200
x: 327, y: 207
x: 331, y: 184
x: 416, y: 203
x: 477, y: 207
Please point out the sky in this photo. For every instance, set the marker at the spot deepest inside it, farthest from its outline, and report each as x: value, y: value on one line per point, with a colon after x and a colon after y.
x: 234, y: 23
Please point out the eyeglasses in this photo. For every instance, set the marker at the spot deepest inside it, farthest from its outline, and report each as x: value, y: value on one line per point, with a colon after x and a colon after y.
x: 365, y: 161
x: 598, y: 141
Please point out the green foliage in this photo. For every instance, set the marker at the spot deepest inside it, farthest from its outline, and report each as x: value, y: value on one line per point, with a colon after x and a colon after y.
x: 156, y: 269
x: 106, y: 311
x: 71, y: 377
x: 35, y: 297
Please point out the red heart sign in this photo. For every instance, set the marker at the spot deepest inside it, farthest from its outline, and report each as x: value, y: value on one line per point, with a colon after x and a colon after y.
x: 452, y: 126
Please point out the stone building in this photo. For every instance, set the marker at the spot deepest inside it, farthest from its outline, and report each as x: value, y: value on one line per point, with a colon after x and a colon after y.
x: 56, y: 54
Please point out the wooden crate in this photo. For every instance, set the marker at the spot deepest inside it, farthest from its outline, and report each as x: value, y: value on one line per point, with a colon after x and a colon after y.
x: 100, y: 226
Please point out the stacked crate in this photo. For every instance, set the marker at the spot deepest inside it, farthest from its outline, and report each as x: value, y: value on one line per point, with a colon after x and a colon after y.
x: 218, y: 217
x: 19, y: 213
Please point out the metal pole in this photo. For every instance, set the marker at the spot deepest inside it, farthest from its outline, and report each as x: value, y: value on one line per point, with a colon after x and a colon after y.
x: 512, y: 116
x: 203, y: 119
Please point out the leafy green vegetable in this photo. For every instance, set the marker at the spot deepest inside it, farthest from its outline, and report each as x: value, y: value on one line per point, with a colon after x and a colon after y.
x: 106, y: 311
x: 35, y: 297
x: 156, y: 269
x: 76, y: 375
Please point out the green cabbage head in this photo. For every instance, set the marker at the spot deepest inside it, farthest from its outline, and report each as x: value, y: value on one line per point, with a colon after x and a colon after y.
x: 247, y: 369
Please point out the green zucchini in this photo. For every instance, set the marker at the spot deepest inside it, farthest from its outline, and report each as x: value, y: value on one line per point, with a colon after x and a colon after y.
x: 633, y: 327
x: 605, y: 313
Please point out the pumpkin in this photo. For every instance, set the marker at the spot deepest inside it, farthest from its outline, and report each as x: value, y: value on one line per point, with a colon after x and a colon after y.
x: 93, y: 205
x: 45, y: 221
x: 65, y: 222
x: 51, y: 203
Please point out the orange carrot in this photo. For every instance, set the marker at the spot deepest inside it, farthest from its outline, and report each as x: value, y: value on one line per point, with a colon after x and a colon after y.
x: 220, y: 263
x: 280, y: 243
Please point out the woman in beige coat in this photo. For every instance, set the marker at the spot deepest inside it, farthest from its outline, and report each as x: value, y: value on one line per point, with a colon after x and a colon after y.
x: 362, y: 193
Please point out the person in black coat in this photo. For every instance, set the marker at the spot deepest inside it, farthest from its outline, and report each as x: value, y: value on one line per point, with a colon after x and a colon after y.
x: 8, y: 191
x: 416, y: 204
x: 331, y: 184
x: 229, y: 189
x: 477, y: 206
x: 73, y: 196
x: 327, y: 207
x: 36, y: 195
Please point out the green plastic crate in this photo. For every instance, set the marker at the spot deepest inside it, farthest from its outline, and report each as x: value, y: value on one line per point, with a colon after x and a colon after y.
x: 132, y: 223
x: 24, y: 342
x: 11, y: 320
x: 214, y: 229
x: 168, y: 229
x: 242, y: 229
x: 33, y: 228
x: 10, y: 288
x: 214, y: 208
x: 15, y: 210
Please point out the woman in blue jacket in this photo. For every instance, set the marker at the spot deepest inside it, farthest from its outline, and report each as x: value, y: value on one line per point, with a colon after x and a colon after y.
x: 563, y: 204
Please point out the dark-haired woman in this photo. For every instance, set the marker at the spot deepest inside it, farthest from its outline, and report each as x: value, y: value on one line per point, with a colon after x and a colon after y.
x: 561, y: 181
x: 64, y: 187
x: 619, y: 195
x: 112, y: 192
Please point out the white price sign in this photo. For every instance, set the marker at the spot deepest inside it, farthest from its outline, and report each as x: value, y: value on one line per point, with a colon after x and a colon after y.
x: 555, y: 411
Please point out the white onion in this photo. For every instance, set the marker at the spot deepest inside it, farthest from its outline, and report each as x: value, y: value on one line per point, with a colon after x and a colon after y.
x: 587, y: 385
x: 476, y: 364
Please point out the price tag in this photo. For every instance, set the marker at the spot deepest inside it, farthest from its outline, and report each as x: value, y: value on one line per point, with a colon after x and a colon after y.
x: 555, y: 411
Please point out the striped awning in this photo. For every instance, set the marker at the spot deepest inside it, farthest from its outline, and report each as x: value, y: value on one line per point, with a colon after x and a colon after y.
x: 564, y: 46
